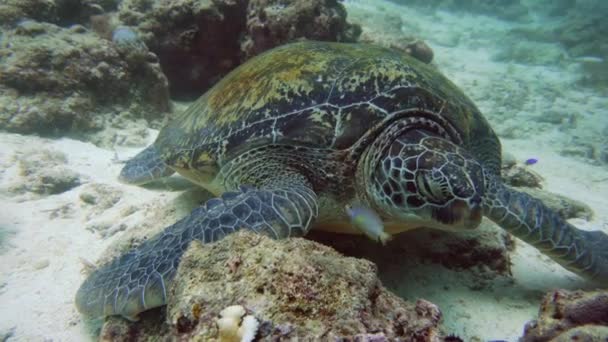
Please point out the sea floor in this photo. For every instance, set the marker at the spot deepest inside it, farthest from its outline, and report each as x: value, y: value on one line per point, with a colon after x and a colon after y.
x: 44, y: 238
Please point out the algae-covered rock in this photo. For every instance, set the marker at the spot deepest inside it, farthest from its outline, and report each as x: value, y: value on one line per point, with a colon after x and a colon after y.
x: 518, y: 175
x: 570, y: 316
x: 295, y: 288
x: 57, y: 81
x: 275, y: 22
x: 199, y: 41
x: 60, y: 12
x: 43, y: 172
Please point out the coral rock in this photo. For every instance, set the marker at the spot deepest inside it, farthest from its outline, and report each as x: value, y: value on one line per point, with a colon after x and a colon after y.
x: 275, y: 22
x: 517, y: 175
x: 295, y: 288
x: 60, y: 12
x: 570, y: 316
x: 56, y: 81
x: 198, y: 42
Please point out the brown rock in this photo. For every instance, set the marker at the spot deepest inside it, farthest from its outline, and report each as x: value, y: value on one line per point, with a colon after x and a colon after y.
x: 420, y: 50
x: 518, y: 175
x: 295, y: 288
x: 274, y: 22
x: 570, y: 316
x: 198, y: 42
x: 57, y: 81
x: 60, y: 12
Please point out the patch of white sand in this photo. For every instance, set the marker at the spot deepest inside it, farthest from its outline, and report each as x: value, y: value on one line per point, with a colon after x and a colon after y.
x: 41, y: 269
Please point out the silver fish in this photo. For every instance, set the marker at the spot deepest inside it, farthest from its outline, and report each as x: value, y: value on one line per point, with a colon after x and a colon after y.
x: 368, y: 222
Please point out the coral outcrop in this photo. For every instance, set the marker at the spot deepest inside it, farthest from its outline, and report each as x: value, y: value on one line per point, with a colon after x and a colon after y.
x: 295, y: 288
x: 198, y: 42
x: 570, y: 316
x: 55, y: 80
x: 272, y: 22
x: 60, y: 12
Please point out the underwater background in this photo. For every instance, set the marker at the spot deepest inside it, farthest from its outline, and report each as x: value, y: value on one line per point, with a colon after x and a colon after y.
x: 86, y: 84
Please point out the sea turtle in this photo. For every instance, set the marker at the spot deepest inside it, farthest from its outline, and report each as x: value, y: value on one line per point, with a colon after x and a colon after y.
x: 291, y: 137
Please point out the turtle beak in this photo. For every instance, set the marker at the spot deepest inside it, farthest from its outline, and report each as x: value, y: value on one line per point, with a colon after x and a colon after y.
x: 460, y: 213
x: 474, y: 218
x: 475, y: 213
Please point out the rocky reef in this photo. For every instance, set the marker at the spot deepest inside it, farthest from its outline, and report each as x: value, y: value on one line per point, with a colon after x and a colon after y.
x: 271, y: 23
x: 57, y: 80
x: 70, y: 67
x: 198, y: 42
x: 570, y: 316
x: 294, y: 288
x: 59, y: 12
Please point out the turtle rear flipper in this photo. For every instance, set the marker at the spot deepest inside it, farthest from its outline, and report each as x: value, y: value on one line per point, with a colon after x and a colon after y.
x: 145, y: 167
x: 139, y: 280
x: 528, y: 218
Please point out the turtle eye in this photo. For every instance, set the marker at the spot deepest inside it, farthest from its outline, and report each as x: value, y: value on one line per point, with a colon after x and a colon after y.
x: 434, y: 189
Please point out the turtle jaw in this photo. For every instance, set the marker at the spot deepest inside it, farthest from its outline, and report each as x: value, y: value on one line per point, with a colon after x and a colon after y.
x: 459, y: 214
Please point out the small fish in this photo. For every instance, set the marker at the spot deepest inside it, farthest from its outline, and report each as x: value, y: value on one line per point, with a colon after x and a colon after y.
x: 589, y: 59
x: 368, y: 222
x: 531, y: 161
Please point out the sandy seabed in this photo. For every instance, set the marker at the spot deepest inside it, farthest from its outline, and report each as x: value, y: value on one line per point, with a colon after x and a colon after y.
x: 47, y: 236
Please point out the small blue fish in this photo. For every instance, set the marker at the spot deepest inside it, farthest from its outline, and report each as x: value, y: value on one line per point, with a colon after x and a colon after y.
x: 368, y: 222
x: 531, y: 161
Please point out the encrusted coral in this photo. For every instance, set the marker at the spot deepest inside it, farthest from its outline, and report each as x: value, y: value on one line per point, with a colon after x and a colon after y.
x: 570, y: 316
x: 198, y: 42
x: 296, y: 288
x: 274, y: 22
x: 60, y: 12
x: 55, y: 81
x: 235, y: 326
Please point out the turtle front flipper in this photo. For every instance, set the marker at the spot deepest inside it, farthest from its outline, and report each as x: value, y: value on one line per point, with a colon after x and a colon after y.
x: 139, y: 279
x: 145, y: 167
x: 528, y: 218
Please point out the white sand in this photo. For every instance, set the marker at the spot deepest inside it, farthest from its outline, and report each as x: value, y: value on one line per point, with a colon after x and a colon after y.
x: 40, y: 269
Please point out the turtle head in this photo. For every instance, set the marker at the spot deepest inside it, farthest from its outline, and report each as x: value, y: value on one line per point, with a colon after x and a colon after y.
x: 427, y: 181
